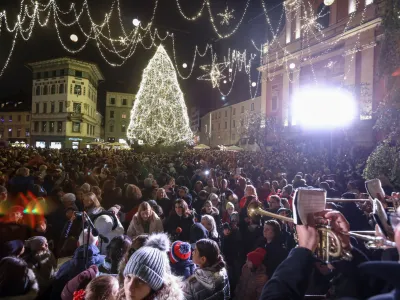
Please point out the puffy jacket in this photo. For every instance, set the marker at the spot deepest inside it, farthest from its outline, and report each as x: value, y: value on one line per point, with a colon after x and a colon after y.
x: 208, y: 284
x: 183, y: 268
x: 135, y: 227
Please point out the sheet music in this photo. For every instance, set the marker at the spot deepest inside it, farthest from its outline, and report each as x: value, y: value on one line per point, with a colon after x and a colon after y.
x: 308, y: 201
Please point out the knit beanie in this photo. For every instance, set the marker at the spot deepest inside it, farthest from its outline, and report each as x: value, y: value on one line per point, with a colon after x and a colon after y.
x: 150, y: 263
x: 256, y: 256
x: 229, y: 205
x: 197, y: 232
x: 80, y: 281
x: 180, y: 251
x: 35, y: 243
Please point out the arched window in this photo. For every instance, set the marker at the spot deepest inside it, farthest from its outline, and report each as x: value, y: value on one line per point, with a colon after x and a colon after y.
x: 53, y: 89
x: 323, y: 13
x: 45, y: 90
x: 38, y: 90
x: 61, y: 89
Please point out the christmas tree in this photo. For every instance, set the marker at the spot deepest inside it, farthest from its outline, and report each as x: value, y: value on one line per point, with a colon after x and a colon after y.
x: 159, y: 114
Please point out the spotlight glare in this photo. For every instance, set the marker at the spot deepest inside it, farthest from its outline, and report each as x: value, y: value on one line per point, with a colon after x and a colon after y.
x: 223, y: 97
x: 136, y: 22
x: 230, y: 70
x: 224, y: 81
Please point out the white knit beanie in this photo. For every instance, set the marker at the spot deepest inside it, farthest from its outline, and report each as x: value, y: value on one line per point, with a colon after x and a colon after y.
x: 150, y: 263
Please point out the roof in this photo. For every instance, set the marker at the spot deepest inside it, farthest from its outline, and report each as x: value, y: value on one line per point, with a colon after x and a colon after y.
x: 17, y: 102
x: 62, y: 60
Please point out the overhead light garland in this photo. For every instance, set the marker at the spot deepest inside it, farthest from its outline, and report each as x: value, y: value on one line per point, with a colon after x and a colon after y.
x: 214, y: 72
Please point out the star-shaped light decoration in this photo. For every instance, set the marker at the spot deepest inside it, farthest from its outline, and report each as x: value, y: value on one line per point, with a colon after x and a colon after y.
x: 122, y: 40
x: 226, y: 16
x: 214, y: 72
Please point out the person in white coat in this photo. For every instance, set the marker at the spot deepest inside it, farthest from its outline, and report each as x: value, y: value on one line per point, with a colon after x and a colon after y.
x: 145, y: 221
x: 109, y: 226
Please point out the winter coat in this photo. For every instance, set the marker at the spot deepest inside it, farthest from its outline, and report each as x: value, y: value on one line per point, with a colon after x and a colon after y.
x: 171, y: 290
x: 44, y: 266
x: 136, y: 228
x: 251, y: 283
x: 184, y: 268
x: 185, y: 222
x: 104, y: 225
x: 208, y: 284
x: 166, y: 205
x: 276, y: 253
x: 32, y: 292
x: 75, y: 266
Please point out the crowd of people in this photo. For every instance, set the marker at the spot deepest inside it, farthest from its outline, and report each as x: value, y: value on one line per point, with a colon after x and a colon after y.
x: 116, y: 224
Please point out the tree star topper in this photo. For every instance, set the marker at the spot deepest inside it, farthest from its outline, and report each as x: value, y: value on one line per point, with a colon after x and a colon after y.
x: 226, y: 16
x: 214, y: 72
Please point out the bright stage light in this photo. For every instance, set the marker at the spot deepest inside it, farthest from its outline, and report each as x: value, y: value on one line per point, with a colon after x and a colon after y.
x: 135, y: 22
x: 74, y: 38
x: 323, y: 108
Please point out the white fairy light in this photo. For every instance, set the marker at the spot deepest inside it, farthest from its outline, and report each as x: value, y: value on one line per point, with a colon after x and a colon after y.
x: 135, y: 22
x: 184, y: 65
x: 74, y: 38
x: 159, y: 113
x: 253, y: 84
x: 214, y: 72
x: 226, y: 16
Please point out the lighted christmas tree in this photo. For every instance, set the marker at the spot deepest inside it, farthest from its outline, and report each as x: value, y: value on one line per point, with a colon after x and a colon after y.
x: 159, y: 114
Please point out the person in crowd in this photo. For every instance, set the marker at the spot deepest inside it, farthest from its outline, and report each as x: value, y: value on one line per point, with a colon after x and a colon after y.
x: 69, y: 201
x: 147, y: 275
x: 225, y: 193
x: 116, y: 250
x: 264, y: 192
x: 108, y: 227
x: 91, y: 204
x: 197, y: 187
x: 131, y: 201
x: 271, y: 242
x: 200, y: 201
x: 179, y: 222
x: 230, y: 208
x: 145, y: 221
x: 22, y: 182
x: 211, y: 188
x: 97, y: 191
x: 274, y: 203
x: 250, y: 191
x: 17, y: 280
x: 42, y: 261
x: 183, y: 193
x: 79, y: 193
x: 216, y: 202
x: 253, y: 276
x: 12, y: 248
x: 79, y: 282
x: 181, y: 264
x: 240, y: 188
x: 210, y: 209
x: 209, y: 223
x: 210, y: 279
x: 163, y: 201
x: 101, y: 287
x: 197, y: 232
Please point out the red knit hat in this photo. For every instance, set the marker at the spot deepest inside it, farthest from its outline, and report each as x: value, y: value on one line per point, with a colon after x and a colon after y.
x: 256, y: 256
x: 80, y: 281
x: 180, y: 251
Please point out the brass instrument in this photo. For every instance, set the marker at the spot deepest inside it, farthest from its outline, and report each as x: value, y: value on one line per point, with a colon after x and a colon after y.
x: 373, y: 242
x: 346, y: 200
x: 329, y: 243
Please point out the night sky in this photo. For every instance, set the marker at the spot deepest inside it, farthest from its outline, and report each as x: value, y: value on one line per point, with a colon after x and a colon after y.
x: 45, y: 45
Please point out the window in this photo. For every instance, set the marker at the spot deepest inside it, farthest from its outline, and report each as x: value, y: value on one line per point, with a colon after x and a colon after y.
x: 46, y: 75
x: 212, y: 126
x: 234, y: 111
x: 123, y: 116
x: 61, y: 89
x: 219, y: 125
x: 111, y: 114
x: 123, y: 101
x: 59, y: 126
x: 45, y: 90
x: 112, y: 101
x: 19, y: 118
x: 37, y: 108
x: 60, y: 106
x: 70, y: 89
x: 9, y: 132
x: 226, y: 125
x: 219, y: 115
x: 233, y: 136
x: 252, y: 106
x: 242, y: 111
x: 62, y: 72
x: 51, y: 126
x: 88, y: 129
x: 226, y: 113
x: 10, y: 118
x: 54, y: 73
x: 111, y: 128
x: 76, y: 127
x: 84, y: 91
x: 44, y: 126
x: 77, y: 108
x: 78, y: 89
x: 233, y: 124
x: 27, y: 118
x: 123, y: 127
x: 27, y: 132
x: 18, y: 132
x: 352, y: 6
x: 78, y: 73
x: 38, y: 75
x: 36, y: 127
x: 52, y: 107
x: 44, y: 107
x: 323, y: 12
x: 38, y: 91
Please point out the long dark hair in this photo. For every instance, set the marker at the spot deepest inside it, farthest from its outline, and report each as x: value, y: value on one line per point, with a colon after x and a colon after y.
x: 117, y: 249
x: 186, y: 212
x: 14, y: 279
x: 210, y: 250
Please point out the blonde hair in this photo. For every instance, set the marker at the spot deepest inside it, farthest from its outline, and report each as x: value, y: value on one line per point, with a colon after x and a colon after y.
x: 164, y: 194
x: 210, y: 219
x: 254, y: 191
x: 93, y: 198
x: 142, y: 207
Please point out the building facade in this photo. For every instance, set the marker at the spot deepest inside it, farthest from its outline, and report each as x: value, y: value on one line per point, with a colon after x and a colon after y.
x: 334, y: 46
x: 223, y: 127
x: 118, y: 115
x: 64, y: 103
x: 15, y: 119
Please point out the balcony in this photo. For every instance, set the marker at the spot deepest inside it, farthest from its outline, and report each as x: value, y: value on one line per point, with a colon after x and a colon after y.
x: 74, y: 116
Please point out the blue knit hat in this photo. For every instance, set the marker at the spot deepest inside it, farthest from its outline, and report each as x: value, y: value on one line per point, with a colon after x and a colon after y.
x: 150, y: 263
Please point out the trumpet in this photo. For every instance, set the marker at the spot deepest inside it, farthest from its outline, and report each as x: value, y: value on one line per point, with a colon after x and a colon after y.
x: 329, y: 243
x: 373, y: 242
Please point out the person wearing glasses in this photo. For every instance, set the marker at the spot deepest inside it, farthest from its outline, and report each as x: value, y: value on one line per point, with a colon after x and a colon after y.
x: 179, y: 222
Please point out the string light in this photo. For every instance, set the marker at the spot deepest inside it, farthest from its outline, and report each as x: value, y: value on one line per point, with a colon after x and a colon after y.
x: 159, y: 114
x: 135, y: 22
x: 226, y: 16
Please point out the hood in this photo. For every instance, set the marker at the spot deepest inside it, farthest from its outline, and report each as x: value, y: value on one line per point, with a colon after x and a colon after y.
x: 183, y: 264
x: 197, y: 232
x: 211, y: 277
x: 32, y: 292
x: 94, y: 255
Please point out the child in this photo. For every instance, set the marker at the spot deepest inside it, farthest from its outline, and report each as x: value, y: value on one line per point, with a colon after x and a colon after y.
x: 102, y: 287
x: 253, y: 276
x: 181, y: 264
